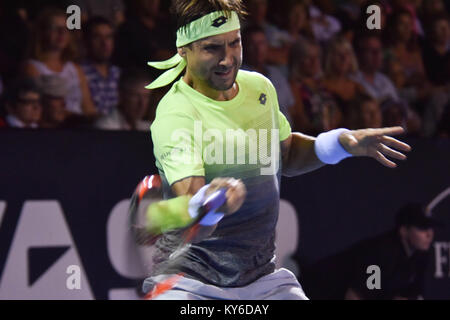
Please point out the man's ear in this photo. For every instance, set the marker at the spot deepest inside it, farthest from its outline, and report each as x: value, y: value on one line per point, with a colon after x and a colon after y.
x: 182, y: 51
x: 403, y: 231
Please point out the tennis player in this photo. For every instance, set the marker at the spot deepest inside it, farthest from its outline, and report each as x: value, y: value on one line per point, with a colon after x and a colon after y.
x: 219, y: 126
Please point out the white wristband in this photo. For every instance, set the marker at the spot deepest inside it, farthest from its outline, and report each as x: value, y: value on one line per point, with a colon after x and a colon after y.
x: 328, y: 148
x: 211, y: 218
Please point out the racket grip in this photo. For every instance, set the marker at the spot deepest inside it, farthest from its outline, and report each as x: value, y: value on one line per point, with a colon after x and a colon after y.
x: 215, y: 200
x: 207, y: 206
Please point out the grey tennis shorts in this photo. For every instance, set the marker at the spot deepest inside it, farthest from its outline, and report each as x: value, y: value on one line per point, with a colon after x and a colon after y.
x: 278, y: 285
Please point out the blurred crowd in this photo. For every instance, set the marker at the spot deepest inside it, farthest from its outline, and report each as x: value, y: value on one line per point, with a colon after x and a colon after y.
x: 329, y: 69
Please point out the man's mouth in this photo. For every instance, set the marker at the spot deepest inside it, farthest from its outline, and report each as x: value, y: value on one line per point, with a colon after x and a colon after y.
x: 223, y: 74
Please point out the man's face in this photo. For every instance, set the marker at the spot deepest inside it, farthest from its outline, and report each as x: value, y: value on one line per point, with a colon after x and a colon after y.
x: 311, y: 62
x: 441, y: 31
x: 57, y: 35
x: 371, y: 114
x: 256, y: 49
x: 101, y: 42
x: 371, y: 54
x: 134, y: 101
x: 54, y: 109
x: 404, y: 27
x: 418, y: 238
x: 215, y: 61
x: 28, y: 108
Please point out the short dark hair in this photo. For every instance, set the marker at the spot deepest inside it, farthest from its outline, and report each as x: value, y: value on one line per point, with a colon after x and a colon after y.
x: 131, y: 76
x: 18, y: 87
x: 186, y: 11
x: 94, y: 22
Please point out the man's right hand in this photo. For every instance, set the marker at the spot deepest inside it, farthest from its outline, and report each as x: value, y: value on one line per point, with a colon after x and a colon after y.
x: 236, y: 193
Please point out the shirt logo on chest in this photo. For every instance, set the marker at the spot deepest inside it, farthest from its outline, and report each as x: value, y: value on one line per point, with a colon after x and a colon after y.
x: 262, y: 99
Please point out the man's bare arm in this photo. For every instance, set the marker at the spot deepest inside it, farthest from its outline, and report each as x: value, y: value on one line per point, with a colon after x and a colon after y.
x: 299, y: 150
x: 298, y: 154
x: 235, y: 195
x: 190, y: 186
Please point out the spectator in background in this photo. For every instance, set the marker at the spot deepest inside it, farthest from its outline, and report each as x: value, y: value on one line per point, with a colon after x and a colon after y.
x: 278, y: 40
x: 363, y: 112
x: 111, y: 10
x: 401, y: 254
x: 395, y: 114
x: 324, y: 25
x: 299, y: 21
x: 133, y: 104
x: 14, y: 38
x: 315, y: 109
x: 436, y: 50
x: 23, y: 104
x: 52, y: 52
x: 431, y: 8
x: 377, y: 85
x: 145, y: 36
x: 402, y: 44
x: 370, y: 57
x: 54, y: 90
x: 340, y: 64
x: 101, y: 75
x: 255, y: 59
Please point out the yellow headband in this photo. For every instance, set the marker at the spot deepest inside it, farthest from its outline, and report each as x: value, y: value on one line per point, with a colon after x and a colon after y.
x: 209, y: 25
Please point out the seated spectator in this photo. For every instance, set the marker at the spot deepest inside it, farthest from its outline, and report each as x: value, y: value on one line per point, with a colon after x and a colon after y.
x: 54, y: 90
x: 370, y: 57
x: 23, y: 104
x: 145, y: 36
x: 394, y: 114
x: 402, y: 44
x: 278, y: 40
x: 14, y: 38
x: 402, y: 254
x: 313, y: 101
x: 431, y: 8
x: 255, y: 59
x: 101, y: 75
x: 133, y: 104
x: 111, y: 10
x: 436, y: 51
x: 363, y: 112
x: 324, y: 25
x: 52, y: 52
x: 340, y: 64
x: 299, y: 21
x: 412, y: 7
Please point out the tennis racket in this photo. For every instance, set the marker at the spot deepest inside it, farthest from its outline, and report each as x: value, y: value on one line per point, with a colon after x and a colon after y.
x: 150, y: 217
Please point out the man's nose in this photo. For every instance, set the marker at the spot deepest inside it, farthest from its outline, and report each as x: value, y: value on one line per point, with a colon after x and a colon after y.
x: 227, y: 57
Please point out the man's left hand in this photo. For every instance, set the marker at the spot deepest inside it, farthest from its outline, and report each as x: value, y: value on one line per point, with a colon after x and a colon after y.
x: 375, y: 143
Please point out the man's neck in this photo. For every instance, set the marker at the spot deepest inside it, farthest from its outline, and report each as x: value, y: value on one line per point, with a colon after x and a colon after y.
x: 211, y: 93
x: 102, y: 67
x: 369, y: 75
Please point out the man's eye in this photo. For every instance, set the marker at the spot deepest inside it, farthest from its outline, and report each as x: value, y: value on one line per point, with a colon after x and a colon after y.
x: 211, y: 48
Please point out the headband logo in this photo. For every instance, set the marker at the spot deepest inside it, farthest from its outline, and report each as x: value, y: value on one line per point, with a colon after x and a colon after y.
x: 219, y: 21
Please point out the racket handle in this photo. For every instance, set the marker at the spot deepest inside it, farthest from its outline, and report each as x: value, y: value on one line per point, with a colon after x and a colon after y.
x: 215, y: 200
